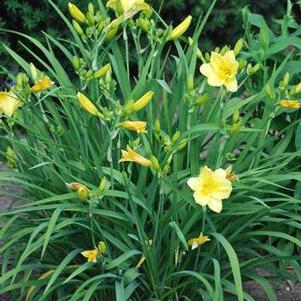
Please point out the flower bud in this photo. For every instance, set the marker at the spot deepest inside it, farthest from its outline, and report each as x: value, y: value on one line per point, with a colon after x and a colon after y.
x: 90, y: 18
x: 75, y: 63
x: 176, y: 136
x: 234, y: 129
x: 179, y: 30
x: 102, y: 71
x: 154, y: 163
x: 87, y: 105
x: 10, y: 157
x: 91, y: 8
x: 190, y: 82
x: 77, y: 28
x: 268, y: 91
x: 224, y: 50
x: 202, y: 99
x: 103, y: 184
x: 102, y: 248
x: 83, y: 193
x: 33, y: 71
x: 76, y: 13
x: 238, y: 46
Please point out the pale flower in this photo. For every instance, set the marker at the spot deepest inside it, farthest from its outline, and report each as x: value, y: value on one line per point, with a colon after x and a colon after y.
x: 9, y: 103
x: 222, y: 70
x: 197, y: 241
x: 129, y: 155
x: 210, y: 188
x: 124, y: 6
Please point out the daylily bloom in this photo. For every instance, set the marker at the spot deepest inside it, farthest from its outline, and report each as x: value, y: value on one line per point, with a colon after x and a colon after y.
x: 137, y: 126
x: 180, y: 29
x: 129, y: 155
x: 124, y: 6
x: 91, y: 255
x: 87, y: 104
x: 210, y: 188
x: 9, y: 103
x: 76, y: 13
x: 289, y: 104
x: 41, y: 85
x: 222, y: 70
x: 198, y: 241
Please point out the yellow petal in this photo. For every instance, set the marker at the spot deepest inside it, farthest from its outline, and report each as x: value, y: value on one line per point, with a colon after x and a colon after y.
x: 206, y: 69
x: 231, y: 84
x: 215, y: 205
x: 9, y: 103
x: 201, y: 199
x: 214, y: 80
x: 194, y: 183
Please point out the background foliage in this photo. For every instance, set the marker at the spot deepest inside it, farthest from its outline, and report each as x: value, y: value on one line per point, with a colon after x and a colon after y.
x: 223, y: 25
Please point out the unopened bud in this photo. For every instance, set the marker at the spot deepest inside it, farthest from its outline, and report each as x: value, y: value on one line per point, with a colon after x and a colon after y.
x: 202, y: 99
x: 176, y: 136
x: 83, y: 193
x: 238, y: 46
x: 268, y: 91
x: 103, y: 184
x: 77, y: 28
x: 155, y: 164
x: 33, y: 71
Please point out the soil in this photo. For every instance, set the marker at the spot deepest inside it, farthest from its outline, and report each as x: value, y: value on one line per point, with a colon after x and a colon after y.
x: 286, y: 291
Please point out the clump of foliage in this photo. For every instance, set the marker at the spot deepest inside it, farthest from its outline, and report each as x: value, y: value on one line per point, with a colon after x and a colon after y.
x: 174, y: 178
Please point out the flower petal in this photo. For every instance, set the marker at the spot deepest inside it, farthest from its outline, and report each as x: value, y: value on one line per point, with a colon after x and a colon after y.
x: 231, y: 84
x: 206, y: 69
x: 194, y: 183
x: 201, y: 199
x: 215, y: 205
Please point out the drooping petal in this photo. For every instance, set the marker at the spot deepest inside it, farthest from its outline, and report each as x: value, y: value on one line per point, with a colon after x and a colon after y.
x: 215, y: 205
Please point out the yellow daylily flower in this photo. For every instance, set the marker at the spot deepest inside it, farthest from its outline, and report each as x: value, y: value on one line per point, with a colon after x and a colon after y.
x: 137, y: 126
x: 76, y: 13
x: 180, y: 29
x: 91, y: 255
x: 87, y: 104
x: 222, y: 70
x: 289, y: 104
x: 42, y: 84
x: 210, y: 188
x: 129, y: 155
x: 9, y: 103
x: 198, y: 241
x: 124, y: 6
